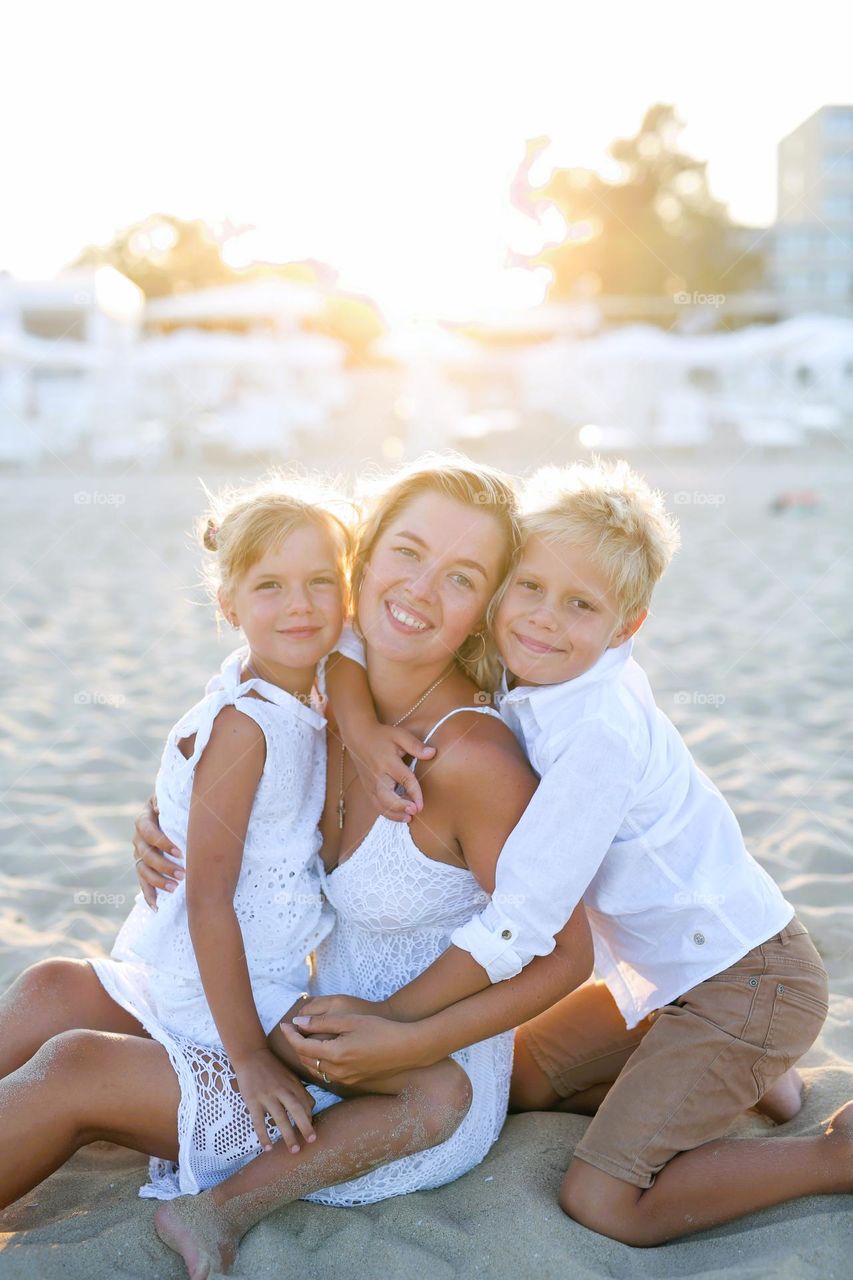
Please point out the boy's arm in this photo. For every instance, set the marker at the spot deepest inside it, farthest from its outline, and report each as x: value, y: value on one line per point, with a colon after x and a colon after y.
x: 377, y: 749
x: 555, y: 851
x: 370, y: 1046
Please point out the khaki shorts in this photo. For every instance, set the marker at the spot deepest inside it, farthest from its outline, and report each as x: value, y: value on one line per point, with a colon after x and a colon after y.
x: 689, y: 1069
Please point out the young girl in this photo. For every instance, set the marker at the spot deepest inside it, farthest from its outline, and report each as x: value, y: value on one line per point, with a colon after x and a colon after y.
x: 241, y: 788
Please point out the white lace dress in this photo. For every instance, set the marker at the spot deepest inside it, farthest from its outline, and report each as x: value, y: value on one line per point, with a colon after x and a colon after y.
x: 279, y: 903
x: 396, y: 910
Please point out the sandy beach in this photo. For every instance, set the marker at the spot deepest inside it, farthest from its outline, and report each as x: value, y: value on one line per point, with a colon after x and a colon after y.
x: 106, y: 640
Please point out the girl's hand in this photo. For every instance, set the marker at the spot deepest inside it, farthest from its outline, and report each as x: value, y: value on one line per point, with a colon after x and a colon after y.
x: 379, y: 761
x: 363, y: 1047
x: 269, y: 1088
x: 153, y: 870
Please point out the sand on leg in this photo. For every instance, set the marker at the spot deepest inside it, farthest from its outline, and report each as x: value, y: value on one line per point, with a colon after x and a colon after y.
x: 50, y: 997
x: 416, y: 1110
x: 81, y: 1087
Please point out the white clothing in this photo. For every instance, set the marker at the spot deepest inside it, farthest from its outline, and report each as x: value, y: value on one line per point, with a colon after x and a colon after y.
x: 278, y: 900
x: 624, y: 820
x: 396, y: 909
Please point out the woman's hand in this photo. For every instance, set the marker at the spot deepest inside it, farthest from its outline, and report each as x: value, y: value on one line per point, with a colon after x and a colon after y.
x: 363, y: 1046
x: 153, y: 870
x: 269, y: 1088
x: 379, y: 761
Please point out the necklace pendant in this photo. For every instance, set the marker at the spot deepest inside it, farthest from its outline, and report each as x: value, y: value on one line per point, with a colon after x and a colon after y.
x: 342, y: 809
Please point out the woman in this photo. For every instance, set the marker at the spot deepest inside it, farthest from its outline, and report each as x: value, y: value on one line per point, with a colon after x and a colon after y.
x: 430, y: 562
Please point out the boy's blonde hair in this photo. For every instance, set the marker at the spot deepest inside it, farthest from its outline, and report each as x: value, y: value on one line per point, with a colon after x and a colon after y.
x: 610, y: 511
x: 472, y: 484
x: 242, y: 524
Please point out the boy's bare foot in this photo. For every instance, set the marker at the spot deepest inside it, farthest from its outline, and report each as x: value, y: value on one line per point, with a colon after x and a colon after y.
x: 783, y: 1099
x: 191, y: 1225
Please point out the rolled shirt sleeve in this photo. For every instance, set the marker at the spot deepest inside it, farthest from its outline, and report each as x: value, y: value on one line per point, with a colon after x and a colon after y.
x: 554, y: 852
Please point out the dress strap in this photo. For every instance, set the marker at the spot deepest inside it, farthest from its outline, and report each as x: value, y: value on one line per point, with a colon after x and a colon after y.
x: 481, y: 711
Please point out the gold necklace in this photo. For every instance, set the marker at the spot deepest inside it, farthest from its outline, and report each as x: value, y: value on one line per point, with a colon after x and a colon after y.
x: 342, y: 804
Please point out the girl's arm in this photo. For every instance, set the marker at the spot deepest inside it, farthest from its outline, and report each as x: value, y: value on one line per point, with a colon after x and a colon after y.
x: 224, y: 787
x: 377, y: 749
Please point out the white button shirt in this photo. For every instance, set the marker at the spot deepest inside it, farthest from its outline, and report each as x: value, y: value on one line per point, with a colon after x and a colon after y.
x: 624, y: 820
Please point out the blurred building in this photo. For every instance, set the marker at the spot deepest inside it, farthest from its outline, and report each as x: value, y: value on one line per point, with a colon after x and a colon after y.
x: 813, y: 239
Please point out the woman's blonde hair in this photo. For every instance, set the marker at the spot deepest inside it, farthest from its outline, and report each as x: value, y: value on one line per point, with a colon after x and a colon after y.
x: 610, y: 511
x: 242, y: 524
x: 473, y: 485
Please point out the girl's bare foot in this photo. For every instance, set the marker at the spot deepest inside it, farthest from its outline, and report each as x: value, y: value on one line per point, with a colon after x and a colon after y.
x: 192, y: 1226
x: 783, y: 1099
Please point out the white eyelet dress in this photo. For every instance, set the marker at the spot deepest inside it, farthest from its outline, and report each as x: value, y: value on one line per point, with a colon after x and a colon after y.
x: 396, y: 909
x: 279, y: 903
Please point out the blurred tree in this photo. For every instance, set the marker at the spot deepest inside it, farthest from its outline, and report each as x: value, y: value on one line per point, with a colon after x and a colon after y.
x: 163, y: 255
x: 655, y: 231
x: 355, y: 321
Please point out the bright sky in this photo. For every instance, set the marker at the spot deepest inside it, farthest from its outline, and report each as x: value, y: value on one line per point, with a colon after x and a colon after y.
x: 380, y: 135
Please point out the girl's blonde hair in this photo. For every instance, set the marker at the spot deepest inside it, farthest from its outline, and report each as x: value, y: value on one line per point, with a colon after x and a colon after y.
x: 242, y: 524
x: 472, y: 484
x: 609, y: 510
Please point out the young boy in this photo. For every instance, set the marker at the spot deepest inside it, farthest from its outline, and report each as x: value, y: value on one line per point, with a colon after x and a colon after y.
x: 710, y: 987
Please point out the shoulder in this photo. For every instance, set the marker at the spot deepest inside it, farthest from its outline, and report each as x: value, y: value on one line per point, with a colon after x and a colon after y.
x: 476, y: 750
x: 235, y: 735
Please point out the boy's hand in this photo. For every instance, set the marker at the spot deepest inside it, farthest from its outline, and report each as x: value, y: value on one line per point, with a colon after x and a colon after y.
x: 269, y: 1088
x: 343, y: 1004
x: 153, y: 870
x: 379, y: 761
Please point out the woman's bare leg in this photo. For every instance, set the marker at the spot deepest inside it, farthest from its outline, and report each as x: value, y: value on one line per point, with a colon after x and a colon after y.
x: 420, y: 1109
x: 716, y: 1183
x: 80, y: 1087
x: 50, y: 997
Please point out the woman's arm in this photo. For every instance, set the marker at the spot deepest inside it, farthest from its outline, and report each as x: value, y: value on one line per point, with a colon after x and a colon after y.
x: 224, y: 787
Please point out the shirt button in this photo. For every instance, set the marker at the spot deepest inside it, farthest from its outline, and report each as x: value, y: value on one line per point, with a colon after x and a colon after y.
x: 506, y: 934
x: 699, y: 939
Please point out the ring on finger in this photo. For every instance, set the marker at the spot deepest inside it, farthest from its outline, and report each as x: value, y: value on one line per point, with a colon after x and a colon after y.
x: 136, y: 860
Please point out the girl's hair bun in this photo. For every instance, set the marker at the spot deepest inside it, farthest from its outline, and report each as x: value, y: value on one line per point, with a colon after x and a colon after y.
x: 210, y: 537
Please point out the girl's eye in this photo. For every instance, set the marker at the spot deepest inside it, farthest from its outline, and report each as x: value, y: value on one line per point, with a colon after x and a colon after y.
x: 528, y: 585
x: 406, y: 551
x: 461, y: 578
x: 323, y: 582
x: 581, y: 604
x: 262, y: 586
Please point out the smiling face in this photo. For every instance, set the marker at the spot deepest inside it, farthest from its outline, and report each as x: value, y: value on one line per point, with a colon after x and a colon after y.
x: 290, y: 606
x: 558, y: 616
x: 431, y: 574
